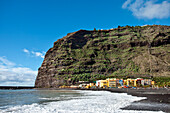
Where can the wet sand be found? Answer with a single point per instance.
(156, 99)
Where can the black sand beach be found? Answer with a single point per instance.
(156, 99)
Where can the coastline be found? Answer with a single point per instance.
(156, 99)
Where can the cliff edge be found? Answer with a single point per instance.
(123, 51)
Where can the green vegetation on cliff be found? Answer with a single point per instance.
(121, 52)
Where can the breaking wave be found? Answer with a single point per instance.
(88, 102)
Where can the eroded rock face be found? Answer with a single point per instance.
(90, 55)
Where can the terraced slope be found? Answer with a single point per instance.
(89, 55)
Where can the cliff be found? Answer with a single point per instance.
(123, 51)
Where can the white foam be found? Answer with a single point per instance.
(92, 101)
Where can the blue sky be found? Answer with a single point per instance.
(28, 28)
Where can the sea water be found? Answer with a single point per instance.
(65, 101)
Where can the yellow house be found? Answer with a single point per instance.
(124, 82)
(135, 83)
(103, 83)
(112, 82)
(131, 82)
(64, 86)
(128, 81)
(74, 86)
(87, 86)
(92, 84)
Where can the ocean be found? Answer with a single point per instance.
(66, 101)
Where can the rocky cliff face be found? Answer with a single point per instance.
(90, 55)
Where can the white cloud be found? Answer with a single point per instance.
(126, 3)
(12, 75)
(35, 53)
(26, 50)
(149, 9)
(38, 54)
(6, 62)
(23, 70)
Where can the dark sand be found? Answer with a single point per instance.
(156, 99)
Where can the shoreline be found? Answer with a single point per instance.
(156, 99)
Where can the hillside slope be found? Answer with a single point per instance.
(89, 55)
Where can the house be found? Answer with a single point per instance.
(92, 85)
(87, 86)
(98, 83)
(147, 81)
(74, 86)
(121, 82)
(140, 81)
(112, 82)
(131, 82)
(101, 83)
